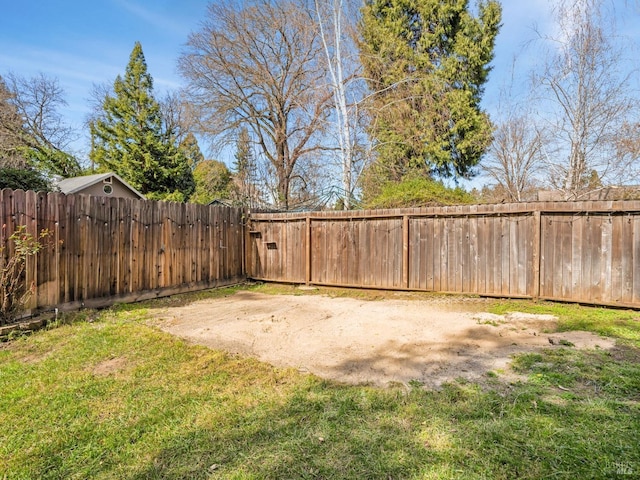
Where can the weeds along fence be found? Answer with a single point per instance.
(105, 250)
(570, 251)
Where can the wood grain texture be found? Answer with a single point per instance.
(108, 248)
(103, 249)
(574, 251)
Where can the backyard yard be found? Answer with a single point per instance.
(272, 382)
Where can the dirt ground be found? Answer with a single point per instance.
(359, 341)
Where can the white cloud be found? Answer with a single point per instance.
(30, 60)
(153, 18)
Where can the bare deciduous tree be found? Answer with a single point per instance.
(588, 95)
(10, 130)
(515, 157)
(628, 142)
(337, 30)
(175, 115)
(259, 65)
(41, 133)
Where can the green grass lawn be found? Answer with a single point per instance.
(108, 396)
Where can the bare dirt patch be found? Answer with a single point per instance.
(368, 342)
(111, 366)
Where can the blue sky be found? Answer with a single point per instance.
(86, 42)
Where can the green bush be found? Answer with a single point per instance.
(418, 192)
(22, 179)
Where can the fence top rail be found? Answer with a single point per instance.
(575, 208)
(6, 194)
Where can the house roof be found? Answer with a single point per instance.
(77, 184)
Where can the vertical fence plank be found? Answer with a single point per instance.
(438, 255)
(606, 271)
(588, 251)
(516, 245)
(615, 293)
(473, 251)
(627, 259)
(307, 250)
(353, 251)
(363, 236)
(636, 260)
(316, 249)
(577, 245)
(596, 254)
(505, 254)
(565, 225)
(344, 252)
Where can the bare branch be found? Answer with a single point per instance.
(258, 65)
(589, 97)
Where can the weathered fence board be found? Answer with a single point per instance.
(103, 249)
(591, 256)
(572, 251)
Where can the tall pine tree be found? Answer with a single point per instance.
(245, 169)
(191, 150)
(130, 139)
(426, 62)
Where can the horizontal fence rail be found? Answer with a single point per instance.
(570, 251)
(103, 250)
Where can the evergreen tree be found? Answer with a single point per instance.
(191, 150)
(244, 167)
(24, 178)
(129, 137)
(213, 181)
(426, 62)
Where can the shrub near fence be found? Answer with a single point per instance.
(107, 250)
(570, 251)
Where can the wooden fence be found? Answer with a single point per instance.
(580, 251)
(105, 250)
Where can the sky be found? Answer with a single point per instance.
(87, 42)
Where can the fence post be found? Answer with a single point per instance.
(405, 251)
(308, 250)
(244, 225)
(537, 239)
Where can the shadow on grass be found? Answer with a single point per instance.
(183, 299)
(332, 432)
(324, 431)
(470, 353)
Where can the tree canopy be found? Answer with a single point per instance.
(24, 178)
(588, 98)
(259, 65)
(33, 135)
(130, 138)
(191, 150)
(426, 62)
(213, 181)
